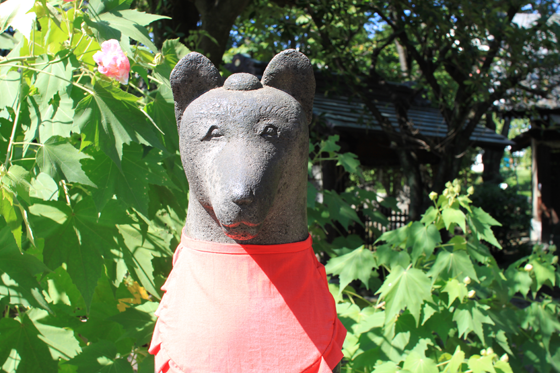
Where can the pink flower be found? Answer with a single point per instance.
(112, 61)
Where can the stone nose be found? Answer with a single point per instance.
(242, 196)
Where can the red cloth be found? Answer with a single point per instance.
(232, 308)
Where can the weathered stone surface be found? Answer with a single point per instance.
(244, 149)
(242, 82)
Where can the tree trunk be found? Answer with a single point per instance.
(413, 175)
(184, 19)
(218, 17)
(493, 157)
(447, 169)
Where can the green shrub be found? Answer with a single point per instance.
(447, 306)
(508, 207)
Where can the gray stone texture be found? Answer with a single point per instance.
(244, 146)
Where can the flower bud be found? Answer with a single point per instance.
(467, 280)
(489, 351)
(483, 352)
(39, 9)
(528, 267)
(158, 59)
(457, 189)
(445, 192)
(554, 260)
(433, 196)
(470, 191)
(505, 357)
(471, 294)
(448, 184)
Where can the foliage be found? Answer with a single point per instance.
(462, 57)
(510, 208)
(444, 305)
(93, 195)
(93, 199)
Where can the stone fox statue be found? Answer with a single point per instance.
(246, 293)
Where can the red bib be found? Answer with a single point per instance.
(233, 308)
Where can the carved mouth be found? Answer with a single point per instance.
(235, 225)
(241, 231)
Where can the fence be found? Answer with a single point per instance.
(373, 229)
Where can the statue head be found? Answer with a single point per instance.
(244, 147)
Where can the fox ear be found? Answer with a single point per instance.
(291, 72)
(193, 76)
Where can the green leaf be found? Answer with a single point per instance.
(173, 50)
(518, 281)
(502, 367)
(163, 113)
(542, 319)
(430, 215)
(111, 118)
(481, 223)
(95, 356)
(350, 163)
(387, 367)
(138, 322)
(58, 119)
(469, 317)
(130, 182)
(44, 187)
(455, 264)
(340, 210)
(451, 215)
(417, 363)
(481, 364)
(17, 273)
(9, 86)
(423, 239)
(543, 272)
(478, 251)
(441, 323)
(455, 362)
(143, 19)
(455, 289)
(62, 291)
(125, 24)
(395, 237)
(20, 178)
(117, 366)
(405, 289)
(100, 6)
(61, 342)
(392, 258)
(357, 264)
(11, 216)
(74, 237)
(54, 77)
(330, 145)
(21, 335)
(140, 248)
(57, 155)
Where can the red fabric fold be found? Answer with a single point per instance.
(231, 308)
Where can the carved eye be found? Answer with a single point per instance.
(269, 132)
(213, 132)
